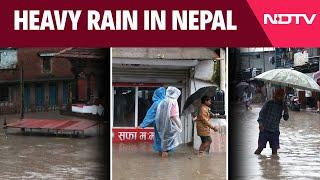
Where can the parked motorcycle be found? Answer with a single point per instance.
(293, 102)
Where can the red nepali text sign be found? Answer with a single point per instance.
(132, 135)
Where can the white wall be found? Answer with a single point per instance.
(204, 70)
(223, 70)
(218, 139)
(164, 53)
(262, 62)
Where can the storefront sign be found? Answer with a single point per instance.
(132, 135)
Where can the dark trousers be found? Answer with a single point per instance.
(272, 137)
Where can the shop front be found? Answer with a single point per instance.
(133, 89)
(138, 72)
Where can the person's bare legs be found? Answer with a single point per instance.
(208, 144)
(258, 151)
(202, 148)
(275, 151)
(165, 154)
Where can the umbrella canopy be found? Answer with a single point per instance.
(195, 99)
(242, 84)
(241, 87)
(316, 77)
(289, 78)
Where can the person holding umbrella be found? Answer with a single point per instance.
(204, 126)
(269, 120)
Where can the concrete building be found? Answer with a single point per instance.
(249, 60)
(45, 81)
(137, 72)
(51, 81)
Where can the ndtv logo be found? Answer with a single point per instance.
(288, 18)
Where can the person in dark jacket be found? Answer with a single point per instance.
(269, 120)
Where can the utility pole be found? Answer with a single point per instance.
(21, 91)
(69, 103)
(264, 70)
(249, 58)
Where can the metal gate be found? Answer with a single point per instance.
(26, 97)
(148, 75)
(82, 89)
(65, 93)
(217, 106)
(39, 92)
(52, 94)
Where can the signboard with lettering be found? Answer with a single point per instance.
(8, 59)
(132, 135)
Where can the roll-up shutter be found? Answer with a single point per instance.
(147, 75)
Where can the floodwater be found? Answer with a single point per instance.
(38, 156)
(299, 153)
(138, 161)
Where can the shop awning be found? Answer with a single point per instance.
(79, 53)
(155, 62)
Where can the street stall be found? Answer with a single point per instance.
(86, 92)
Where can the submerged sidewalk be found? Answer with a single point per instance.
(138, 161)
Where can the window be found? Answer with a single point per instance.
(46, 64)
(144, 102)
(131, 105)
(124, 106)
(4, 94)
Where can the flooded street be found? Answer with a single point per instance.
(138, 161)
(298, 156)
(39, 156)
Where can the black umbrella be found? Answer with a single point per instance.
(195, 98)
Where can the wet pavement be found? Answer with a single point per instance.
(138, 161)
(298, 156)
(39, 156)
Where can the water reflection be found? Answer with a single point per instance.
(298, 156)
(270, 166)
(138, 161)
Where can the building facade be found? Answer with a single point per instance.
(251, 62)
(45, 78)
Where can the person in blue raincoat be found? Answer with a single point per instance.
(158, 95)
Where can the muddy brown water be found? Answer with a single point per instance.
(299, 153)
(138, 161)
(38, 156)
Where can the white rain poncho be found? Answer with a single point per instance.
(167, 120)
